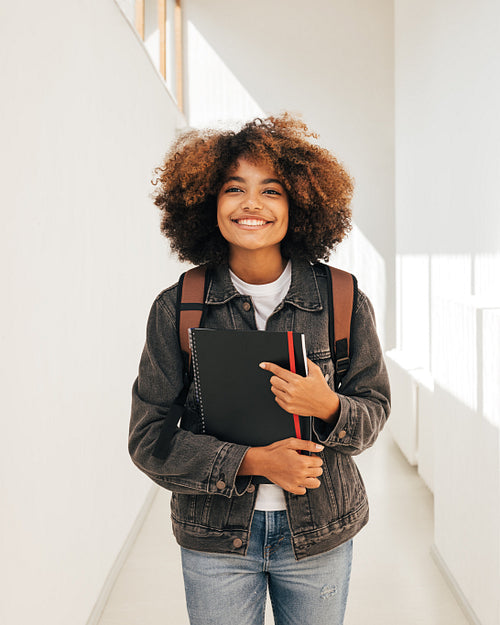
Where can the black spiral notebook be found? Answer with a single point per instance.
(234, 393)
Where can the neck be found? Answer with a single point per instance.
(257, 267)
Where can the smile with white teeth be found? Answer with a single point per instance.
(247, 221)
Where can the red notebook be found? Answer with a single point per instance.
(234, 393)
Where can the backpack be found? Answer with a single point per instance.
(190, 309)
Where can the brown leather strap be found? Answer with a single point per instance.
(191, 304)
(343, 299)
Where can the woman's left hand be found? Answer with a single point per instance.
(306, 396)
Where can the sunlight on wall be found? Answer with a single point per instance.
(454, 348)
(215, 95)
(491, 366)
(486, 275)
(413, 306)
(448, 311)
(451, 275)
(357, 255)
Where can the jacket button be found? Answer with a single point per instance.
(251, 488)
(221, 485)
(247, 306)
(342, 433)
(237, 542)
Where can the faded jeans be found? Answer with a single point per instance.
(229, 589)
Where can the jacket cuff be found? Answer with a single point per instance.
(224, 479)
(338, 433)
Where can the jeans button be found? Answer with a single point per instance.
(247, 306)
(342, 433)
(251, 488)
(237, 542)
(221, 485)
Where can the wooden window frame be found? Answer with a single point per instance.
(162, 27)
(139, 17)
(179, 77)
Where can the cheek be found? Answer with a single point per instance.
(286, 217)
(220, 212)
(221, 216)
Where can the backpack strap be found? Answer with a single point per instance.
(342, 291)
(190, 305)
(190, 308)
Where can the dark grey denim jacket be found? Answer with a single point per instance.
(211, 506)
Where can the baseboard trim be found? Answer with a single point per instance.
(107, 587)
(454, 587)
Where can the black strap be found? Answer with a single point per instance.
(169, 424)
(342, 291)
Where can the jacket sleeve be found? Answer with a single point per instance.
(196, 463)
(364, 393)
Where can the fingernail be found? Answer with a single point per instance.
(319, 447)
(262, 365)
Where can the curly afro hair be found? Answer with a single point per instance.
(319, 188)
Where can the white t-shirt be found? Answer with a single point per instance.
(265, 298)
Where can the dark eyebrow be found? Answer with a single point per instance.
(266, 181)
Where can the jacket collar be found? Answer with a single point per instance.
(303, 292)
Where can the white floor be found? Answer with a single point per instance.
(394, 578)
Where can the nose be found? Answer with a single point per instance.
(251, 201)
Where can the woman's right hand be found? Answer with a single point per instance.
(281, 463)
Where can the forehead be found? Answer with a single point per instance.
(247, 166)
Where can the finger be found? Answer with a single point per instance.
(314, 462)
(311, 482)
(278, 383)
(284, 374)
(297, 443)
(280, 395)
(315, 471)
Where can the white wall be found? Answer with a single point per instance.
(84, 119)
(448, 244)
(331, 62)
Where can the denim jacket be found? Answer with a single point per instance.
(211, 506)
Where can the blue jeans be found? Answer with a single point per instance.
(228, 589)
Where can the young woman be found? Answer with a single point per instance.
(262, 206)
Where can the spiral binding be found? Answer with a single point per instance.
(196, 376)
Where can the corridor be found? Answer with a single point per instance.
(394, 580)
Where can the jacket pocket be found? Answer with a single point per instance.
(352, 487)
(204, 511)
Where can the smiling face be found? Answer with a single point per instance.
(252, 208)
